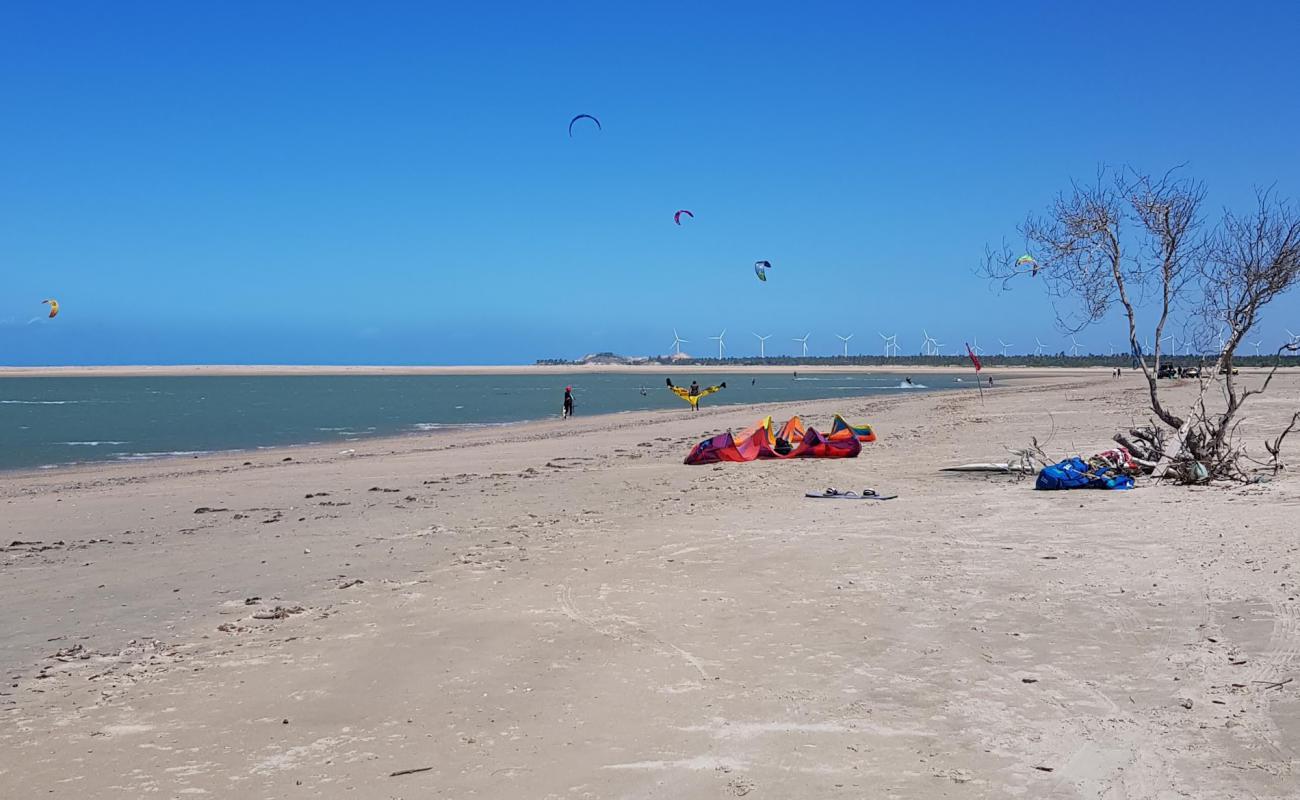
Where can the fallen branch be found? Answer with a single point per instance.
(408, 771)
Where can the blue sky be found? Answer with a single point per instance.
(393, 182)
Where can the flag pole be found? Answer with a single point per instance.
(974, 359)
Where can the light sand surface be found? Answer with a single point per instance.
(566, 611)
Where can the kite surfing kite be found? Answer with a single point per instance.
(763, 440)
(54, 307)
(1028, 261)
(761, 268)
(678, 216)
(694, 393)
(583, 116)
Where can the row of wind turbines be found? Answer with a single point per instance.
(931, 346)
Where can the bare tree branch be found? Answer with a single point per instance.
(1131, 241)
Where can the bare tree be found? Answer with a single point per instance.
(1139, 243)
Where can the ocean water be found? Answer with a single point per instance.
(47, 422)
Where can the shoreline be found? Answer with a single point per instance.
(439, 438)
(392, 439)
(1008, 376)
(274, 370)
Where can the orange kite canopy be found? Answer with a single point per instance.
(761, 441)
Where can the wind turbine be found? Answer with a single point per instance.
(1112, 348)
(845, 339)
(1038, 351)
(762, 345)
(1074, 350)
(930, 345)
(1257, 344)
(1294, 339)
(804, 342)
(1005, 346)
(678, 342)
(721, 345)
(979, 351)
(1169, 338)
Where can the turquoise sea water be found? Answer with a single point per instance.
(46, 422)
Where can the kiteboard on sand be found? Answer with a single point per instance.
(836, 494)
(990, 467)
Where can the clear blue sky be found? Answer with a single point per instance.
(393, 183)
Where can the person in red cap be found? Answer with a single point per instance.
(568, 402)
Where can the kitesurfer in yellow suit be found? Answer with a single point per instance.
(694, 394)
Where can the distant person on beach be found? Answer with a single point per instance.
(990, 380)
(568, 402)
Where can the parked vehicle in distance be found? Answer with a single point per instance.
(1191, 372)
(1224, 371)
(1167, 371)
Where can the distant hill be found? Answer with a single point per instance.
(601, 359)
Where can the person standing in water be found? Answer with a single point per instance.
(568, 402)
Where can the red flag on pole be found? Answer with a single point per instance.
(974, 359)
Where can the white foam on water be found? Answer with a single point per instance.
(166, 454)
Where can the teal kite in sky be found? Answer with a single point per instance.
(1028, 261)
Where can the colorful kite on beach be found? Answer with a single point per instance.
(54, 307)
(761, 268)
(583, 116)
(1028, 261)
(694, 393)
(763, 440)
(678, 216)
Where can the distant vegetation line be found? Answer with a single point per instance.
(955, 362)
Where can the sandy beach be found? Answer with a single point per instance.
(565, 610)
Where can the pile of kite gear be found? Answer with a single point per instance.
(1112, 469)
(763, 440)
(835, 494)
